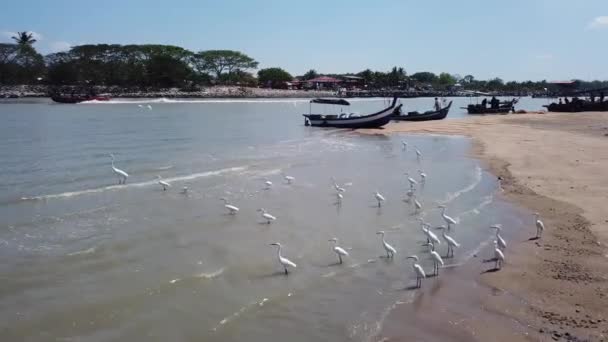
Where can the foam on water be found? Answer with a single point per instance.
(454, 195)
(136, 185)
(164, 100)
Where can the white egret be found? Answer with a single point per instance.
(430, 236)
(422, 177)
(338, 250)
(336, 186)
(266, 216)
(449, 240)
(418, 269)
(417, 204)
(437, 261)
(411, 180)
(268, 183)
(184, 190)
(231, 208)
(122, 176)
(418, 154)
(379, 198)
(502, 244)
(339, 197)
(404, 145)
(289, 179)
(540, 226)
(163, 183)
(140, 106)
(282, 260)
(149, 107)
(448, 220)
(390, 250)
(499, 257)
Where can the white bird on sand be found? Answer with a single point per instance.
(418, 269)
(390, 250)
(149, 107)
(418, 154)
(379, 198)
(266, 216)
(231, 208)
(289, 179)
(163, 183)
(502, 244)
(338, 250)
(437, 261)
(499, 257)
(448, 220)
(268, 183)
(450, 241)
(122, 176)
(411, 180)
(422, 176)
(540, 226)
(404, 145)
(282, 260)
(430, 236)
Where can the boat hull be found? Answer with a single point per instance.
(375, 120)
(575, 108)
(427, 116)
(78, 99)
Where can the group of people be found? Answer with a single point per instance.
(494, 103)
(576, 100)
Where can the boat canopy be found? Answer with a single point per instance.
(340, 102)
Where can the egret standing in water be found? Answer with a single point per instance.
(122, 176)
(437, 261)
(418, 269)
(390, 250)
(422, 177)
(282, 260)
(165, 185)
(417, 204)
(338, 250)
(339, 197)
(404, 145)
(418, 154)
(268, 183)
(411, 180)
(336, 186)
(448, 220)
(499, 257)
(502, 244)
(266, 216)
(289, 179)
(379, 198)
(450, 241)
(231, 208)
(540, 226)
(430, 236)
(149, 107)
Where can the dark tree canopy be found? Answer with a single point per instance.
(223, 61)
(310, 74)
(424, 77)
(273, 77)
(24, 38)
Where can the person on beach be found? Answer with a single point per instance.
(437, 104)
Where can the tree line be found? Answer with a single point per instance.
(164, 66)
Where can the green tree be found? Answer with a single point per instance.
(310, 74)
(367, 75)
(24, 38)
(396, 77)
(468, 79)
(424, 77)
(223, 61)
(495, 84)
(446, 79)
(273, 77)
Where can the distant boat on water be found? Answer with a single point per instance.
(426, 116)
(78, 98)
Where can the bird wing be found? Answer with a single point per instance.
(340, 250)
(288, 262)
(452, 241)
(419, 270)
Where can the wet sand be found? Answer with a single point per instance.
(550, 289)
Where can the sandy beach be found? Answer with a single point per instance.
(553, 288)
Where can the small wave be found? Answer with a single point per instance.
(241, 311)
(476, 211)
(83, 252)
(136, 185)
(163, 168)
(210, 275)
(450, 196)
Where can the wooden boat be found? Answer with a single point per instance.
(78, 98)
(346, 120)
(503, 108)
(428, 115)
(578, 106)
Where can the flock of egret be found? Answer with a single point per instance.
(432, 241)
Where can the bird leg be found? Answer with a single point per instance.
(285, 267)
(340, 258)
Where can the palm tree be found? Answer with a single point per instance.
(24, 38)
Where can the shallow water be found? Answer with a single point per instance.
(85, 258)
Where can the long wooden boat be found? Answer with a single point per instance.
(78, 98)
(503, 108)
(346, 120)
(575, 107)
(428, 115)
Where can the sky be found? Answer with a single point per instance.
(514, 39)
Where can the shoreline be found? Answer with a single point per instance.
(550, 289)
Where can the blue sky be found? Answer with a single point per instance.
(514, 39)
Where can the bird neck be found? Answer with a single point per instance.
(279, 251)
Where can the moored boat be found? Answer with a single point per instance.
(78, 98)
(428, 115)
(503, 108)
(349, 120)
